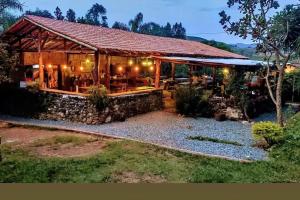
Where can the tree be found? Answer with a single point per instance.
(10, 4)
(178, 31)
(41, 13)
(82, 20)
(8, 60)
(71, 15)
(58, 14)
(121, 26)
(277, 37)
(97, 15)
(151, 28)
(168, 30)
(6, 18)
(136, 23)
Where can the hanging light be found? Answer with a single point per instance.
(120, 68)
(136, 68)
(226, 71)
(87, 60)
(65, 67)
(144, 63)
(151, 68)
(50, 66)
(81, 68)
(130, 62)
(149, 63)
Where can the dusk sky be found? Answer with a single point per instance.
(199, 17)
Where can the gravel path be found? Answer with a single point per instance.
(169, 130)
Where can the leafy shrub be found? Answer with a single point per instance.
(271, 132)
(98, 97)
(190, 102)
(21, 102)
(33, 87)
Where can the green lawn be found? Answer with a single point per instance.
(125, 161)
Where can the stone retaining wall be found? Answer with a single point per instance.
(79, 109)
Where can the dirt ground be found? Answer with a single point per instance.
(51, 143)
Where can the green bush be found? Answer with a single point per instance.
(191, 102)
(98, 97)
(22, 102)
(271, 132)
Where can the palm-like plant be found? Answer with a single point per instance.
(10, 4)
(136, 23)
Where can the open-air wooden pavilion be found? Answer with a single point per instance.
(71, 57)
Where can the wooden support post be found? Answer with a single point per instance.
(107, 72)
(96, 68)
(173, 71)
(41, 68)
(191, 75)
(157, 73)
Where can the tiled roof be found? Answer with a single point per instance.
(113, 39)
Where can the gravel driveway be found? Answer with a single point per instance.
(169, 130)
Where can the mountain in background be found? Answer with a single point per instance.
(248, 50)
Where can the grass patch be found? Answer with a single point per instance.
(208, 139)
(123, 160)
(60, 140)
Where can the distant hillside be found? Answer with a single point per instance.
(248, 50)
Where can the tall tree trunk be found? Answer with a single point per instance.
(279, 97)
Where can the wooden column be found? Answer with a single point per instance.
(157, 73)
(96, 68)
(107, 72)
(173, 71)
(41, 68)
(191, 74)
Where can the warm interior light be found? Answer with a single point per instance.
(120, 69)
(65, 67)
(136, 69)
(289, 69)
(130, 62)
(81, 68)
(151, 68)
(87, 60)
(149, 63)
(226, 71)
(144, 63)
(50, 66)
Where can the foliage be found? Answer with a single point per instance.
(190, 102)
(289, 150)
(8, 61)
(289, 113)
(96, 15)
(98, 97)
(270, 131)
(178, 31)
(21, 102)
(136, 23)
(71, 15)
(7, 20)
(10, 5)
(121, 26)
(41, 13)
(277, 37)
(291, 86)
(58, 14)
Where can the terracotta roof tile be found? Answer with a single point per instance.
(113, 39)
